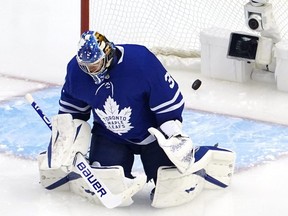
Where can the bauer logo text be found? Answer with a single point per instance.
(91, 179)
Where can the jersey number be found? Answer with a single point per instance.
(170, 80)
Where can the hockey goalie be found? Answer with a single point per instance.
(137, 110)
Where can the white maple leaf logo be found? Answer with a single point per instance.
(115, 120)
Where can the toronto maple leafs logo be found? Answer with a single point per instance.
(115, 120)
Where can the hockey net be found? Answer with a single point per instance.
(172, 28)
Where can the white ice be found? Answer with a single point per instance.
(256, 191)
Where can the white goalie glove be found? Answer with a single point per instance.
(178, 146)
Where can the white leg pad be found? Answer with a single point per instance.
(213, 170)
(220, 168)
(174, 188)
(50, 177)
(113, 177)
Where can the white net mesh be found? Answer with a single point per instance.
(172, 27)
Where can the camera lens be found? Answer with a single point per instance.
(253, 24)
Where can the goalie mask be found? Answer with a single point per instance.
(95, 55)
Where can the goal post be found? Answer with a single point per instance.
(85, 13)
(170, 28)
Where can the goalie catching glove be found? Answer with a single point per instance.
(178, 146)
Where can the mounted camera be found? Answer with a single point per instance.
(255, 48)
(259, 15)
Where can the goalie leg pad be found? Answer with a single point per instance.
(113, 177)
(174, 188)
(218, 163)
(52, 178)
(220, 169)
(213, 169)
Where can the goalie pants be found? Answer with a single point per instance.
(109, 152)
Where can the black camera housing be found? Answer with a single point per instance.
(242, 46)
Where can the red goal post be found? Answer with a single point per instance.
(85, 13)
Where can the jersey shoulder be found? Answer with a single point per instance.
(137, 52)
(142, 58)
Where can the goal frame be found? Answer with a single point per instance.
(84, 15)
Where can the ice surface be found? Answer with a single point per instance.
(258, 186)
(265, 141)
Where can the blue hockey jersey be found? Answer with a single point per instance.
(137, 93)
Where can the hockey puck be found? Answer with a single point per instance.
(196, 84)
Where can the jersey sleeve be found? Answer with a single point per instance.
(165, 98)
(69, 103)
(77, 108)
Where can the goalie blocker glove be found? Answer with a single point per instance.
(178, 146)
